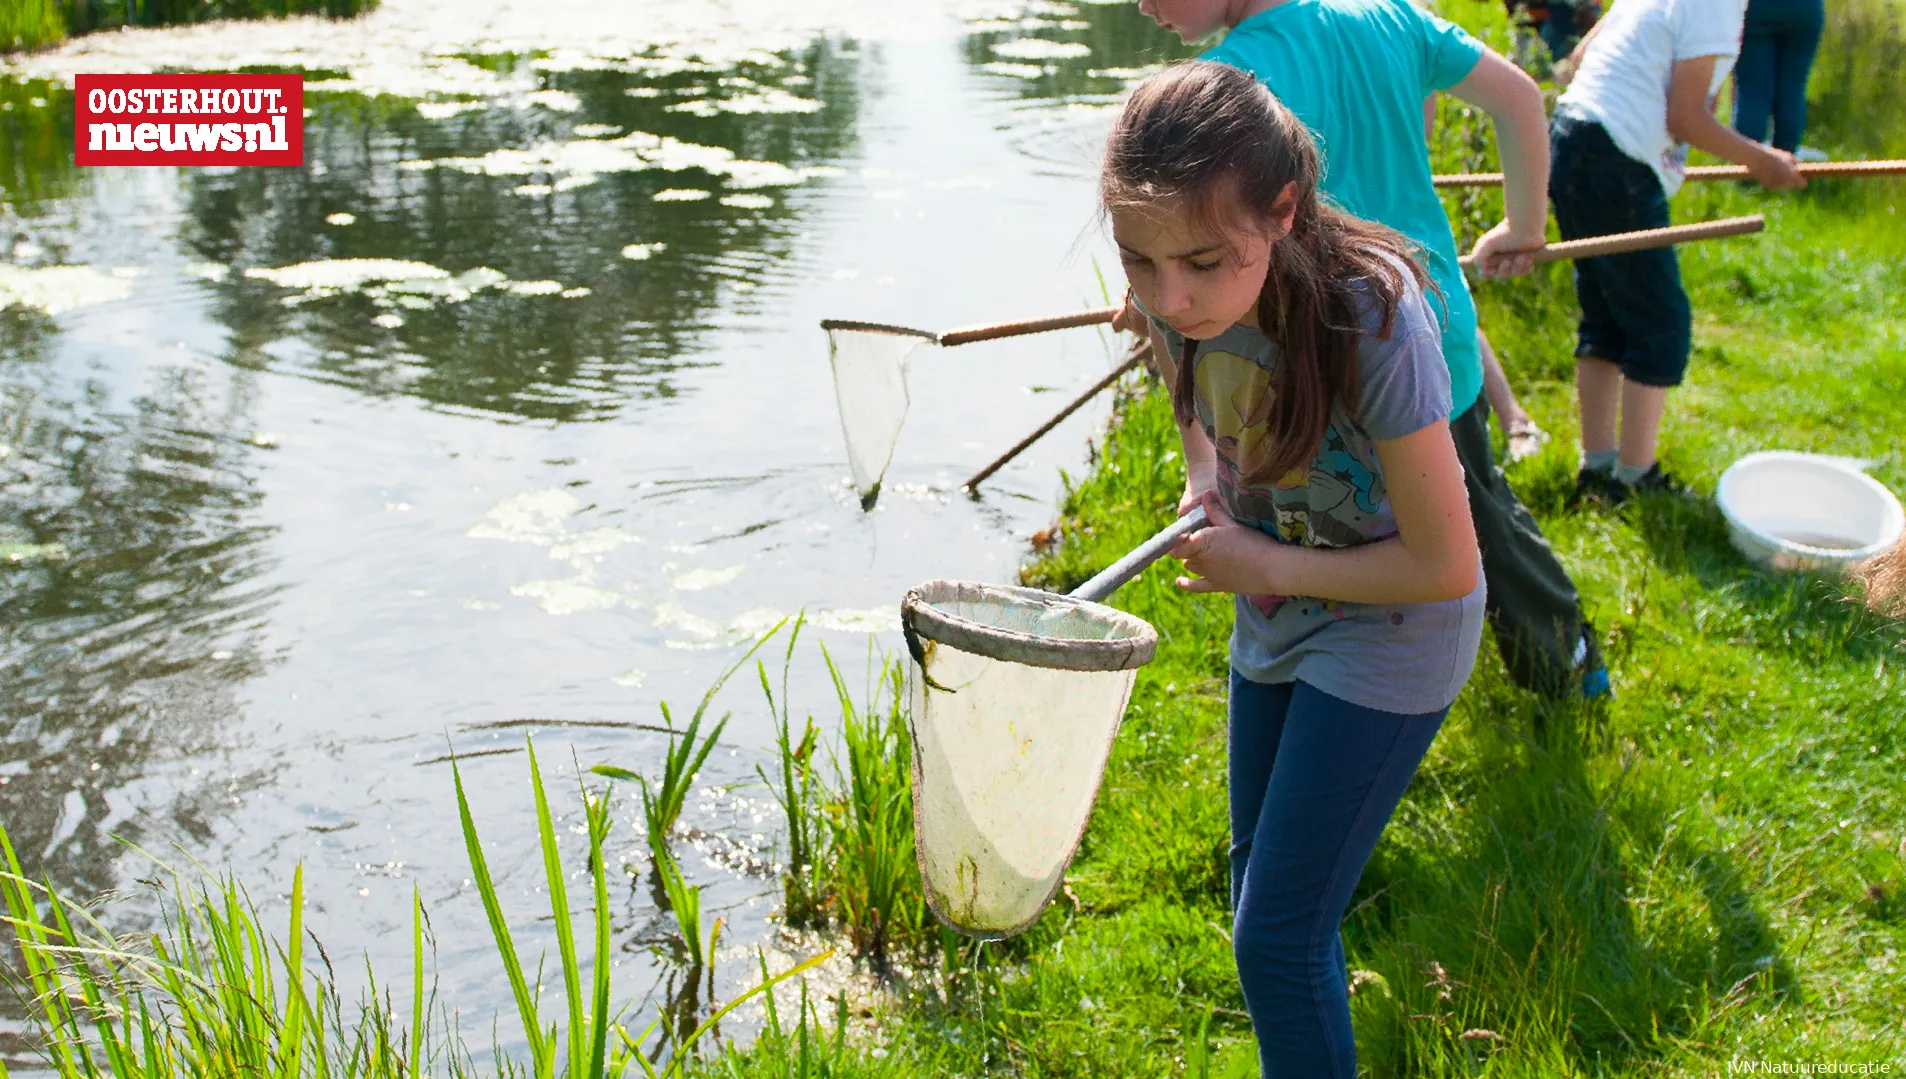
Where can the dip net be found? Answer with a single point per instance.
(1016, 697)
(870, 385)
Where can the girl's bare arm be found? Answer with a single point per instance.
(1432, 558)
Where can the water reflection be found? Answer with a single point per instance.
(1059, 52)
(130, 606)
(1068, 66)
(36, 143)
(605, 293)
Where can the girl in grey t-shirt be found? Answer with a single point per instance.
(1311, 393)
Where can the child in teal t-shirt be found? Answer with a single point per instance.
(1357, 73)
(1370, 126)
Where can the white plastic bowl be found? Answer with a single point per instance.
(1799, 511)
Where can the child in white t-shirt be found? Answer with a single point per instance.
(1642, 92)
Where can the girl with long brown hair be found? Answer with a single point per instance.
(1307, 377)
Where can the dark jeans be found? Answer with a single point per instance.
(1635, 313)
(1314, 780)
(1777, 51)
(1532, 604)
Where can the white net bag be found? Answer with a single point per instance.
(870, 385)
(1016, 696)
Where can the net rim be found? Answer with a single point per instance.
(831, 324)
(922, 618)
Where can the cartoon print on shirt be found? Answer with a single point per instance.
(1239, 395)
(1333, 503)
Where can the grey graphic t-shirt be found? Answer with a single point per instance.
(1407, 658)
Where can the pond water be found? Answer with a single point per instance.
(279, 531)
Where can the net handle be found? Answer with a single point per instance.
(966, 335)
(1711, 172)
(1642, 240)
(1140, 353)
(1111, 577)
(969, 334)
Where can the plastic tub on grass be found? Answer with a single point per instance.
(1806, 511)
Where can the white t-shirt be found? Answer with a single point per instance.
(1623, 80)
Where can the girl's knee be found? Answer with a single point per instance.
(1276, 957)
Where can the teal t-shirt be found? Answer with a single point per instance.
(1356, 73)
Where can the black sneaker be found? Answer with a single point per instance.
(1592, 485)
(1652, 482)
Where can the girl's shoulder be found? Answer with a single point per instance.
(1402, 378)
(1385, 305)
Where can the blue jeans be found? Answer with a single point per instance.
(1314, 780)
(1777, 49)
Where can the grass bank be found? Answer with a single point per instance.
(35, 24)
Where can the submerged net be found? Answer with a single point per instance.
(1015, 701)
(870, 385)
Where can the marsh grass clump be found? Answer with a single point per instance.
(214, 992)
(871, 862)
(851, 862)
(211, 993)
(584, 1031)
(664, 797)
(795, 792)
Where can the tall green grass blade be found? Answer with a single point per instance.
(684, 901)
(801, 1031)
(599, 1018)
(794, 792)
(417, 981)
(840, 1026)
(500, 929)
(291, 1048)
(560, 913)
